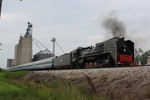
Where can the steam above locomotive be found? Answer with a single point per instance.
(113, 52)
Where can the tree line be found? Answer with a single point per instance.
(141, 56)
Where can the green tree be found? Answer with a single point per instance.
(1, 70)
(141, 56)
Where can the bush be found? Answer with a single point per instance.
(1, 70)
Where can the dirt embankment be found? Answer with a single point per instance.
(116, 83)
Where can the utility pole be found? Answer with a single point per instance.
(53, 40)
(0, 45)
(0, 6)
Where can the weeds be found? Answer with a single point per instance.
(31, 90)
(14, 75)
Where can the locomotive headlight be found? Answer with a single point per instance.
(124, 50)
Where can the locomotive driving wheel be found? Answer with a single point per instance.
(99, 63)
(104, 61)
(80, 63)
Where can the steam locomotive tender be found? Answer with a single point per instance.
(113, 52)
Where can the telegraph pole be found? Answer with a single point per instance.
(0, 46)
(0, 6)
(53, 40)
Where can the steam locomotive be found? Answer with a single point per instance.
(113, 52)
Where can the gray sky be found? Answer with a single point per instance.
(73, 23)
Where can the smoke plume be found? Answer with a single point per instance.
(114, 25)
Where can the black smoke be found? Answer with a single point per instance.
(114, 25)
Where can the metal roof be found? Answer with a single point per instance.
(46, 51)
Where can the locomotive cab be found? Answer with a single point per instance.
(125, 52)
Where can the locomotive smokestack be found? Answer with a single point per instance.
(114, 25)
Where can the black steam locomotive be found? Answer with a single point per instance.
(110, 53)
(113, 52)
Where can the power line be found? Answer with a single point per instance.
(39, 43)
(35, 40)
(60, 47)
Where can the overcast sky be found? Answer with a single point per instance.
(73, 23)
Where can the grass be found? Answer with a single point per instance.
(8, 88)
(13, 88)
